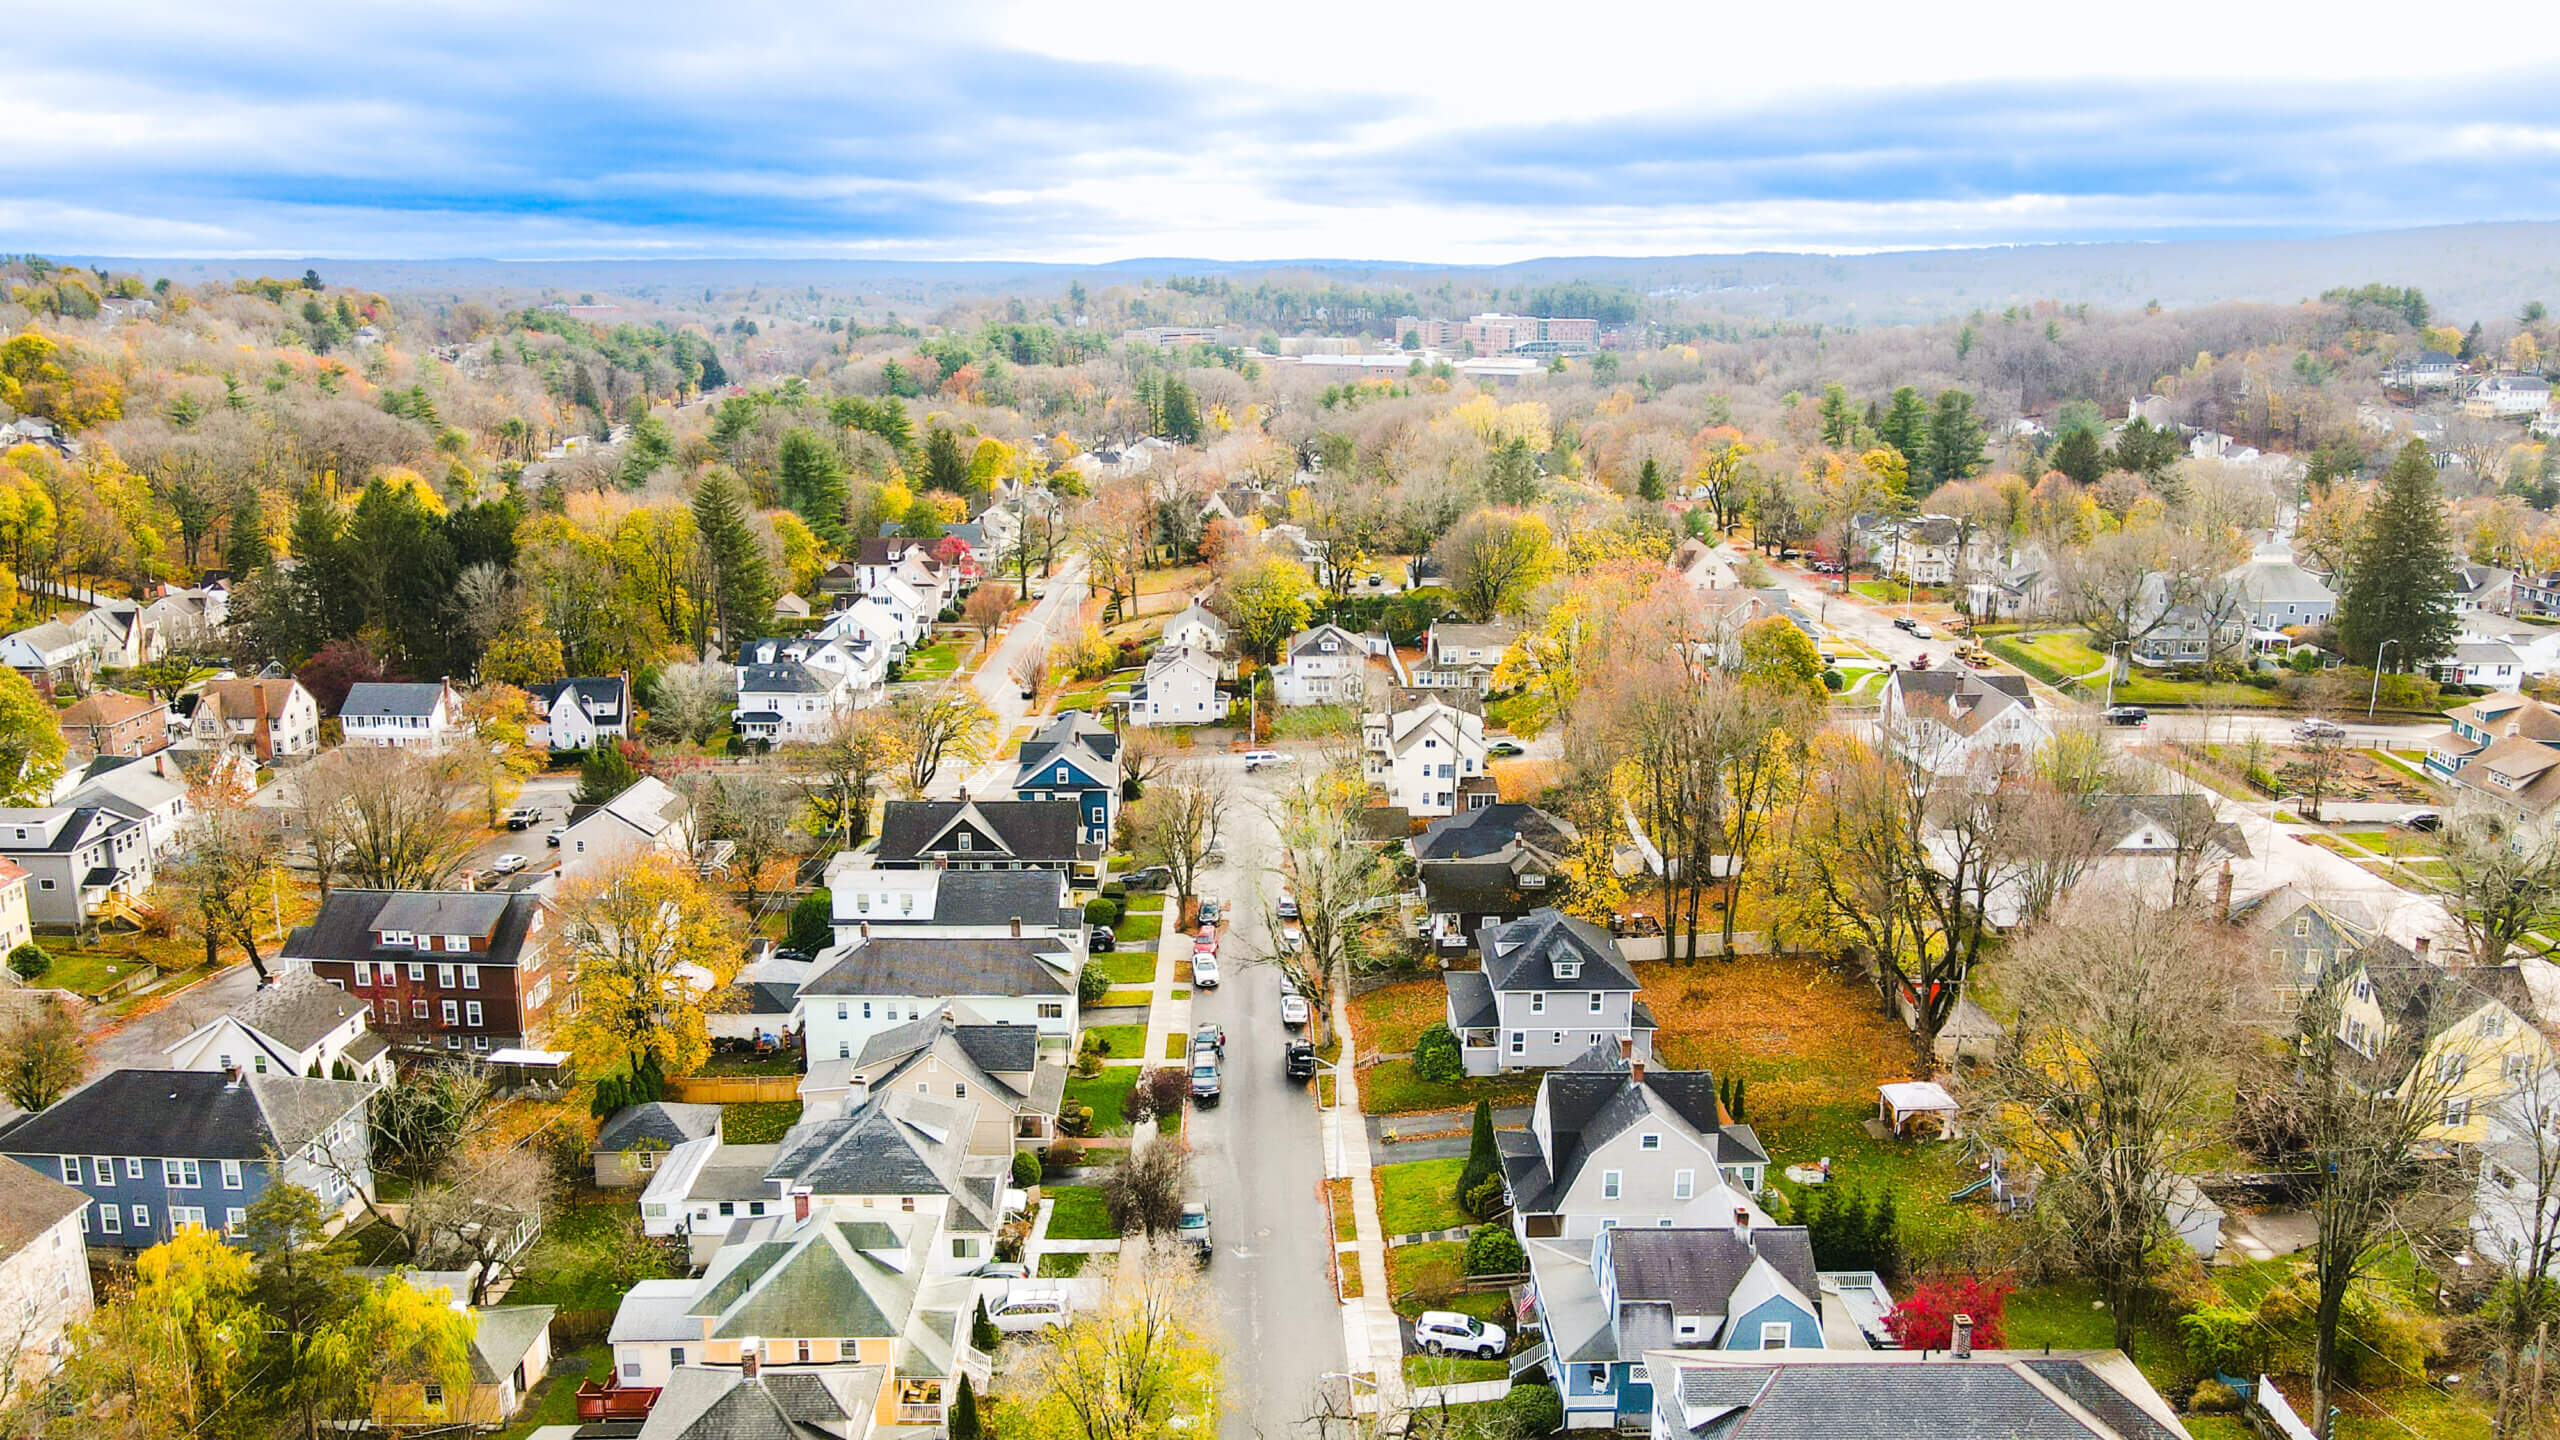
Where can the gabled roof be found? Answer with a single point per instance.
(665, 1122)
(940, 966)
(1472, 834)
(1029, 830)
(1962, 700)
(379, 699)
(1522, 954)
(1891, 1395)
(299, 1010)
(2189, 815)
(48, 637)
(189, 1114)
(108, 707)
(787, 677)
(646, 805)
(1596, 1098)
(503, 1336)
(595, 692)
(828, 1275)
(1077, 739)
(1697, 1271)
(700, 1403)
(898, 1143)
(1312, 641)
(349, 921)
(31, 1203)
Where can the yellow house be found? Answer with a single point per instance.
(510, 1353)
(2470, 1028)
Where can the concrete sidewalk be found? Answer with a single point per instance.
(1166, 1016)
(1372, 1336)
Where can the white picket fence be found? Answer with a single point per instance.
(2279, 1411)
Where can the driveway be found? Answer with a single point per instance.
(1034, 633)
(1257, 1158)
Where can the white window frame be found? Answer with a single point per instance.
(364, 972)
(231, 1175)
(1598, 999)
(470, 977)
(105, 1166)
(112, 1218)
(172, 1169)
(1784, 1334)
(1613, 1184)
(471, 1012)
(1684, 1184)
(453, 1012)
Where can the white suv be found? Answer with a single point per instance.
(1444, 1331)
(1026, 1310)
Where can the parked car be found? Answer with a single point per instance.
(1024, 1311)
(553, 836)
(2133, 715)
(1256, 759)
(1293, 1009)
(1209, 912)
(1147, 877)
(507, 864)
(1205, 943)
(1288, 906)
(1504, 749)
(1829, 567)
(1210, 1036)
(1292, 939)
(1003, 1270)
(2420, 820)
(1204, 1077)
(1102, 941)
(1193, 1229)
(1443, 1331)
(1204, 969)
(2316, 728)
(524, 817)
(1922, 632)
(1905, 623)
(1298, 1060)
(787, 953)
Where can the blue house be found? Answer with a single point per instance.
(1075, 758)
(160, 1149)
(1747, 1286)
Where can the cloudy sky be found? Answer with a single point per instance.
(1086, 130)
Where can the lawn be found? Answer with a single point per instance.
(1389, 1087)
(588, 1256)
(86, 972)
(2150, 690)
(758, 1122)
(1063, 1264)
(2064, 653)
(1387, 1020)
(1146, 927)
(1080, 1214)
(1135, 998)
(1105, 1092)
(934, 661)
(776, 1062)
(1346, 1220)
(1427, 1277)
(1177, 1046)
(2390, 842)
(1420, 1195)
(1452, 1369)
(1121, 1042)
(1127, 967)
(555, 1400)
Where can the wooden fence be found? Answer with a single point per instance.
(732, 1089)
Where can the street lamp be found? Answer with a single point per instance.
(2371, 700)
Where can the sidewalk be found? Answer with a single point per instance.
(1372, 1336)
(1166, 1016)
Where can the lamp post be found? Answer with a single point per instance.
(2371, 700)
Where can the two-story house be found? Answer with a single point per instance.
(1327, 665)
(1462, 657)
(697, 1402)
(400, 715)
(1495, 863)
(2304, 936)
(457, 971)
(110, 722)
(44, 1272)
(880, 980)
(1000, 1066)
(966, 904)
(987, 835)
(1074, 757)
(2503, 749)
(83, 861)
(296, 1024)
(1954, 1394)
(1612, 1142)
(1931, 549)
(1955, 720)
(2465, 1033)
(55, 658)
(1551, 988)
(269, 716)
(580, 713)
(1427, 755)
(647, 815)
(120, 636)
(788, 703)
(1180, 688)
(845, 652)
(2277, 594)
(1197, 627)
(157, 1150)
(17, 926)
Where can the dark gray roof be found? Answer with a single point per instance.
(31, 1203)
(993, 897)
(1471, 833)
(1597, 1098)
(440, 912)
(789, 677)
(1694, 1270)
(1470, 998)
(1975, 1399)
(502, 1338)
(1000, 1049)
(596, 690)
(664, 1121)
(349, 919)
(299, 1009)
(386, 697)
(880, 1150)
(1482, 888)
(937, 966)
(2189, 815)
(1521, 954)
(188, 1114)
(1030, 830)
(700, 1403)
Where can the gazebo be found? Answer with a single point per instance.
(1899, 1103)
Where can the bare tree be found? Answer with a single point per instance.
(2130, 1020)
(690, 701)
(1146, 1188)
(2515, 1224)
(2324, 762)
(927, 728)
(839, 774)
(485, 1212)
(1342, 885)
(389, 819)
(223, 853)
(1175, 824)
(2497, 878)
(759, 818)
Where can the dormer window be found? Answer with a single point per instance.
(1568, 969)
(457, 942)
(967, 840)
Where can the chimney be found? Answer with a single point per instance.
(231, 1077)
(800, 1206)
(2222, 892)
(750, 1357)
(1017, 927)
(1742, 1224)
(1960, 1347)
(2425, 943)
(866, 929)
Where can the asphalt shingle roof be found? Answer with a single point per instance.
(1027, 830)
(188, 1114)
(31, 1203)
(665, 1121)
(300, 1009)
(350, 919)
(936, 967)
(380, 698)
(1522, 954)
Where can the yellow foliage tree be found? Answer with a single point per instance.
(523, 654)
(650, 945)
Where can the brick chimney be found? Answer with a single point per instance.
(866, 929)
(1742, 1224)
(1960, 1345)
(1017, 927)
(751, 1357)
(800, 1205)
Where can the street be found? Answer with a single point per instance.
(1033, 634)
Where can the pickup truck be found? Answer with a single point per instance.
(524, 817)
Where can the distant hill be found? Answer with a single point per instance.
(2468, 271)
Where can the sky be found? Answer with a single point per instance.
(1085, 131)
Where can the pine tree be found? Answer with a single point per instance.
(1649, 481)
(1905, 426)
(741, 581)
(1839, 418)
(964, 1412)
(944, 467)
(2400, 591)
(1738, 1084)
(810, 476)
(1483, 1160)
(982, 1331)
(1511, 475)
(2080, 456)
(247, 550)
(605, 773)
(1884, 1236)
(1955, 438)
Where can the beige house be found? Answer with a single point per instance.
(44, 1272)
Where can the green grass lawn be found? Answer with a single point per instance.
(934, 661)
(758, 1122)
(588, 1256)
(2145, 689)
(1426, 1277)
(1313, 722)
(1080, 1215)
(1105, 1093)
(1138, 998)
(1420, 1195)
(1389, 1087)
(1452, 1369)
(1124, 1042)
(1128, 967)
(2390, 842)
(85, 972)
(555, 1400)
(1141, 928)
(779, 1062)
(1063, 1264)
(1177, 1046)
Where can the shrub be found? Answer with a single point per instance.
(983, 1335)
(1484, 1160)
(1484, 1199)
(813, 926)
(1026, 1169)
(1168, 1086)
(1139, 1106)
(1436, 1057)
(1091, 985)
(1533, 1410)
(1102, 910)
(2214, 1398)
(1494, 1250)
(1062, 1155)
(30, 961)
(1074, 1119)
(1834, 681)
(1926, 1321)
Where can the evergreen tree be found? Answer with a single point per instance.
(247, 550)
(944, 466)
(964, 1412)
(1739, 1085)
(605, 773)
(1177, 411)
(302, 1284)
(406, 567)
(2144, 449)
(1484, 1161)
(2400, 585)
(1649, 481)
(740, 580)
(1511, 475)
(325, 602)
(649, 446)
(1839, 419)
(2080, 456)
(810, 476)
(1884, 1236)
(1955, 438)
(1905, 426)
(983, 1336)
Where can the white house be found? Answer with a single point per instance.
(299, 1024)
(2502, 396)
(51, 654)
(1180, 688)
(645, 816)
(121, 634)
(1953, 719)
(1199, 628)
(399, 715)
(578, 713)
(1552, 988)
(2426, 370)
(146, 789)
(1424, 754)
(16, 926)
(883, 979)
(270, 716)
(956, 904)
(1930, 549)
(2537, 647)
(858, 656)
(895, 617)
(2491, 665)
(44, 1271)
(1462, 657)
(1327, 665)
(84, 861)
(790, 703)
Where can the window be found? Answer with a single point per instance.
(141, 1217)
(2302, 927)
(230, 1174)
(457, 942)
(452, 1012)
(479, 1042)
(1519, 1042)
(964, 1247)
(1649, 1141)
(444, 976)
(1595, 1001)
(1053, 1010)
(133, 1167)
(1537, 1002)
(110, 1219)
(675, 1355)
(471, 1012)
(70, 1169)
(959, 1091)
(417, 1009)
(418, 973)
(235, 1221)
(630, 1369)
(40, 884)
(728, 1208)
(2457, 1112)
(258, 1062)
(1688, 1327)
(1773, 1334)
(1684, 1183)
(1568, 969)
(804, 1352)
(181, 1175)
(470, 977)
(364, 972)
(844, 1049)
(907, 1203)
(1610, 1184)
(105, 1168)
(2511, 1068)
(967, 840)
(433, 1394)
(840, 1009)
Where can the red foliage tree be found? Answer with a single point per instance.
(340, 666)
(1926, 1321)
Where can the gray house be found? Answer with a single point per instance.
(631, 1146)
(1611, 1143)
(1551, 988)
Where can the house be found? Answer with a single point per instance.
(2426, 370)
(1196, 628)
(789, 703)
(110, 722)
(2490, 665)
(148, 789)
(987, 835)
(1180, 688)
(1930, 549)
(701, 1403)
(703, 1187)
(44, 1271)
(1958, 1394)
(1462, 657)
(2468, 1029)
(1552, 987)
(2277, 594)
(457, 971)
(295, 1024)
(1424, 754)
(647, 815)
(788, 606)
(510, 1354)
(2305, 936)
(1492, 863)
(2023, 585)
(17, 926)
(1074, 757)
(843, 651)
(2472, 729)
(1605, 1302)
(2503, 397)
(186, 615)
(967, 904)
(2485, 587)
(119, 635)
(83, 861)
(55, 658)
(400, 715)
(1705, 566)
(271, 717)
(160, 1149)
(1955, 719)
(2537, 647)
(578, 714)
(940, 1053)
(1327, 665)
(2513, 1179)
(630, 1145)
(1614, 1143)
(2161, 846)
(878, 981)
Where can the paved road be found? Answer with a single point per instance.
(1034, 633)
(1257, 1158)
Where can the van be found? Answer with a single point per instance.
(1023, 1311)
